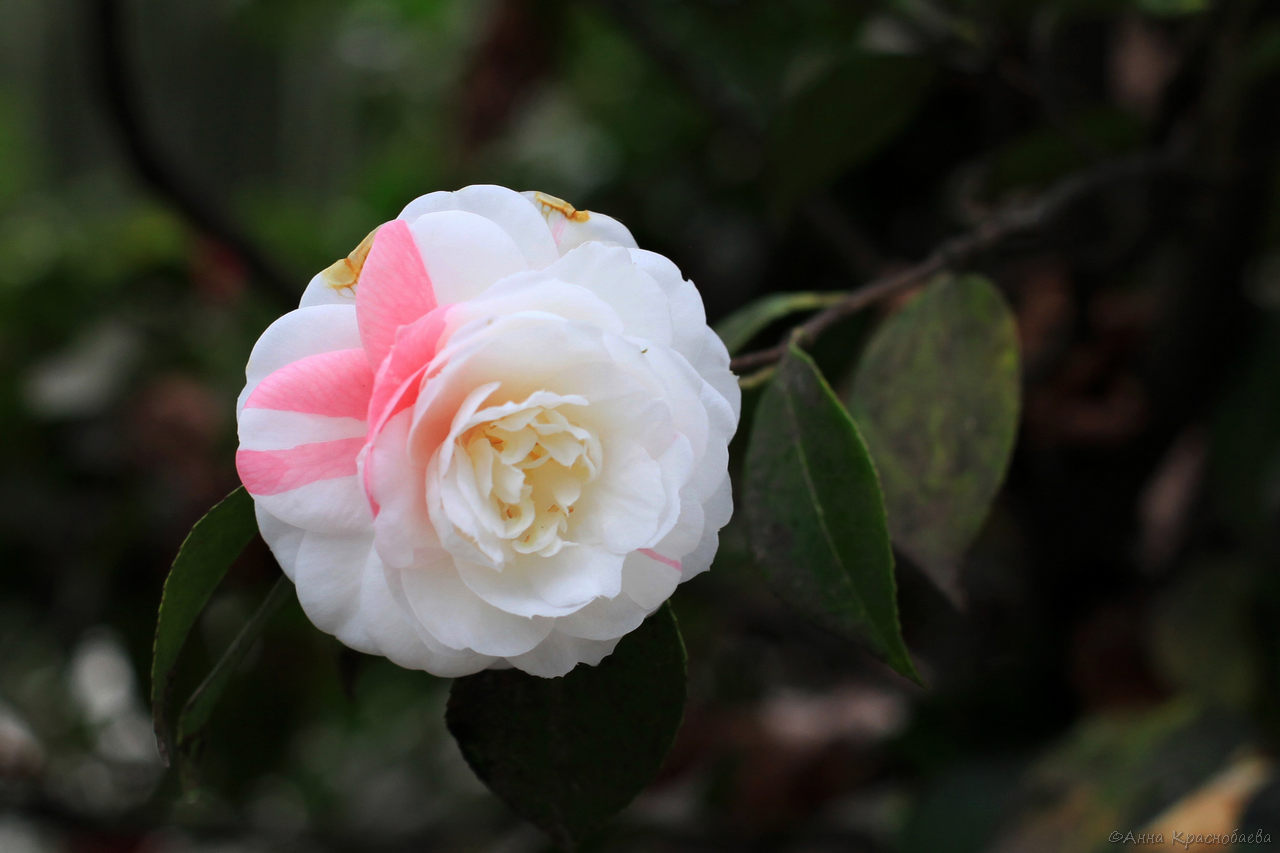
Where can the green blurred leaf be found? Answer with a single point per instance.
(208, 551)
(816, 513)
(937, 396)
(199, 708)
(742, 325)
(567, 753)
(1045, 154)
(1203, 633)
(841, 119)
(1119, 770)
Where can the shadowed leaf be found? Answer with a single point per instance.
(816, 515)
(936, 395)
(567, 753)
(208, 551)
(199, 708)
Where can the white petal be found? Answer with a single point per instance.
(464, 254)
(622, 510)
(455, 615)
(587, 226)
(507, 208)
(607, 618)
(609, 273)
(320, 291)
(337, 504)
(647, 581)
(271, 429)
(283, 539)
(342, 587)
(717, 510)
(684, 303)
(559, 653)
(547, 586)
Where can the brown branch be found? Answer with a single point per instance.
(1014, 220)
(125, 114)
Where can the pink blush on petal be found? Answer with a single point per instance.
(667, 561)
(334, 384)
(393, 290)
(399, 379)
(270, 472)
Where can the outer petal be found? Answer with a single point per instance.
(607, 271)
(717, 511)
(296, 335)
(559, 653)
(580, 226)
(342, 587)
(688, 317)
(456, 616)
(393, 291)
(506, 208)
(464, 253)
(648, 582)
(552, 587)
(300, 436)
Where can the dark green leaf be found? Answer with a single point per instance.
(198, 709)
(208, 551)
(936, 396)
(815, 512)
(742, 325)
(569, 752)
(843, 118)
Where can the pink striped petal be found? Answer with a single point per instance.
(334, 384)
(415, 345)
(393, 291)
(399, 380)
(270, 472)
(654, 555)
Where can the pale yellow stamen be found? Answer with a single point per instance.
(568, 211)
(342, 275)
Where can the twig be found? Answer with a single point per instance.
(1016, 219)
(126, 118)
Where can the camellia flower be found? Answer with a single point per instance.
(496, 434)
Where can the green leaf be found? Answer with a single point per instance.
(814, 508)
(937, 396)
(844, 117)
(208, 551)
(199, 708)
(569, 752)
(742, 325)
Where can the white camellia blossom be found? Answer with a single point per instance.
(495, 435)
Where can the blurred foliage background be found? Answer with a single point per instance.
(171, 174)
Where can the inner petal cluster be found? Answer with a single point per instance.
(529, 469)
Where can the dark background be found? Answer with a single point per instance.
(171, 174)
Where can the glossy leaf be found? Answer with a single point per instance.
(199, 708)
(208, 551)
(815, 512)
(937, 397)
(567, 753)
(844, 117)
(741, 326)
